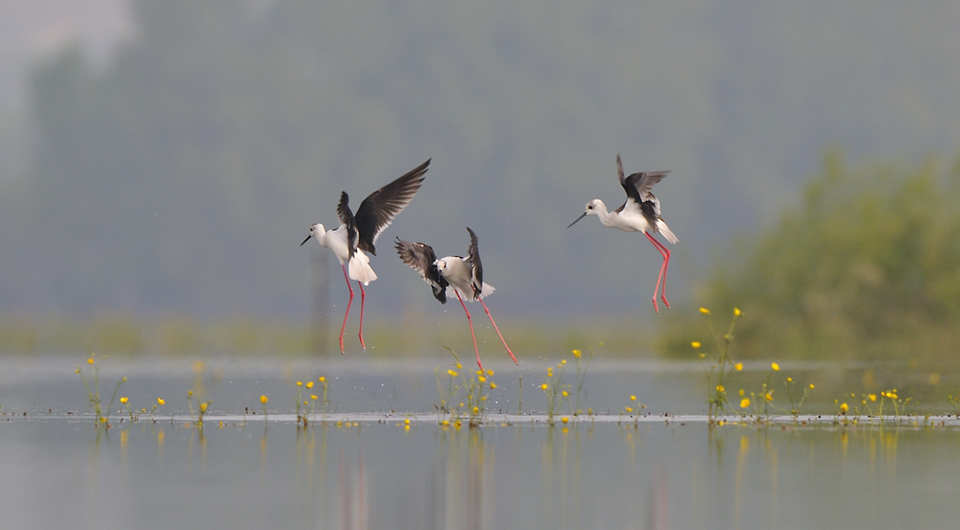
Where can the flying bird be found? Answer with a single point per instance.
(453, 275)
(358, 233)
(640, 213)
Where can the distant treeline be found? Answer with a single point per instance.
(866, 268)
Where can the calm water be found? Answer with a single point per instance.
(372, 471)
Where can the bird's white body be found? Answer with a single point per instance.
(628, 219)
(459, 273)
(358, 267)
(640, 213)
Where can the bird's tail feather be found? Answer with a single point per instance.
(485, 291)
(665, 230)
(359, 268)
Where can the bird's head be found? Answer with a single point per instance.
(592, 208)
(316, 231)
(441, 264)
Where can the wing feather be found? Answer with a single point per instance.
(421, 258)
(378, 210)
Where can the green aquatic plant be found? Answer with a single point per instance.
(582, 373)
(720, 362)
(462, 396)
(555, 389)
(93, 390)
(201, 409)
(955, 403)
(796, 403)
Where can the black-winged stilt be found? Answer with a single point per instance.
(453, 275)
(640, 213)
(358, 233)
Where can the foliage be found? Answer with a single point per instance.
(868, 267)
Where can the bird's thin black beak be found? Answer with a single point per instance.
(584, 214)
(311, 235)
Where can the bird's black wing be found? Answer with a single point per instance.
(638, 188)
(378, 210)
(421, 258)
(347, 219)
(474, 252)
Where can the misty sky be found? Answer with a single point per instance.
(523, 108)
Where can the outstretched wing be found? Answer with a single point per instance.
(348, 220)
(476, 279)
(421, 258)
(378, 210)
(638, 188)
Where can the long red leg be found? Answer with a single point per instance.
(662, 277)
(470, 321)
(498, 331)
(347, 312)
(363, 297)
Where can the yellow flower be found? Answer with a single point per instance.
(720, 388)
(313, 397)
(124, 400)
(564, 419)
(453, 373)
(768, 396)
(90, 360)
(695, 344)
(565, 393)
(844, 408)
(775, 366)
(744, 403)
(322, 379)
(628, 409)
(406, 421)
(203, 407)
(544, 386)
(789, 379)
(493, 386)
(476, 410)
(459, 366)
(189, 393)
(811, 385)
(482, 379)
(704, 310)
(563, 361)
(738, 366)
(309, 384)
(490, 373)
(264, 399)
(103, 420)
(873, 397)
(160, 401)
(479, 372)
(577, 353)
(736, 311)
(299, 383)
(633, 398)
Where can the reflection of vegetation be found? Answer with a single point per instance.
(868, 267)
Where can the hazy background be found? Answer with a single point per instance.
(167, 157)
